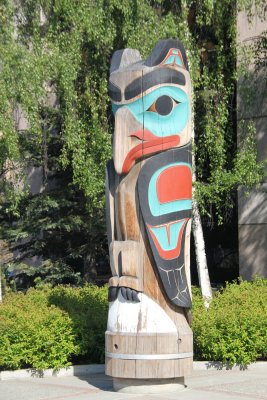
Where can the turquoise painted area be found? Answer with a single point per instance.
(158, 209)
(162, 236)
(170, 60)
(167, 125)
(160, 125)
(177, 60)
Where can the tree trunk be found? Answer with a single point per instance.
(202, 268)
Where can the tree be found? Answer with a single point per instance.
(54, 68)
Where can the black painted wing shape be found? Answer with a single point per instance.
(166, 228)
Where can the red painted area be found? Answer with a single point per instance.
(153, 144)
(174, 183)
(144, 134)
(168, 254)
(170, 53)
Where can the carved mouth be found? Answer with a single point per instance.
(173, 250)
(150, 144)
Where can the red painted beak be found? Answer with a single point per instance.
(150, 144)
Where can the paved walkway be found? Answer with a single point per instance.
(213, 384)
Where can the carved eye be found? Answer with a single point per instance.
(163, 105)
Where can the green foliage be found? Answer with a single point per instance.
(54, 65)
(57, 230)
(68, 49)
(234, 328)
(221, 166)
(33, 334)
(88, 309)
(53, 327)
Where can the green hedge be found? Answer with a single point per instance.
(234, 329)
(54, 327)
(88, 309)
(34, 334)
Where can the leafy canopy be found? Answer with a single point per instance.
(54, 64)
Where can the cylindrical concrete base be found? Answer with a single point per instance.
(144, 386)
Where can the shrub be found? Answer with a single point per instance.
(55, 327)
(34, 334)
(88, 309)
(234, 328)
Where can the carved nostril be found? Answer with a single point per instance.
(116, 347)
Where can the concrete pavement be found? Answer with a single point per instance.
(207, 382)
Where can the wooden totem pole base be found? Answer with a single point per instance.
(150, 353)
(146, 356)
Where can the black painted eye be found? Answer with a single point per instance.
(163, 105)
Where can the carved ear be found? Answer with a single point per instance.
(124, 58)
(168, 52)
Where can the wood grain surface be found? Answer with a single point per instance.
(138, 350)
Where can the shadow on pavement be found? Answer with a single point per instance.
(221, 365)
(99, 381)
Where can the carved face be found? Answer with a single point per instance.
(151, 103)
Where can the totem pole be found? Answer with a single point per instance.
(149, 201)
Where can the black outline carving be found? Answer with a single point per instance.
(158, 77)
(161, 50)
(114, 92)
(172, 272)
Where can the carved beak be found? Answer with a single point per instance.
(150, 144)
(131, 141)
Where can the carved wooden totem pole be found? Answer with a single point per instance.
(149, 201)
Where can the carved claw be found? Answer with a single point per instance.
(113, 292)
(130, 294)
(127, 294)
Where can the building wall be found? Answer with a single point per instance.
(252, 207)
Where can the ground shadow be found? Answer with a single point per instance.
(98, 380)
(219, 365)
